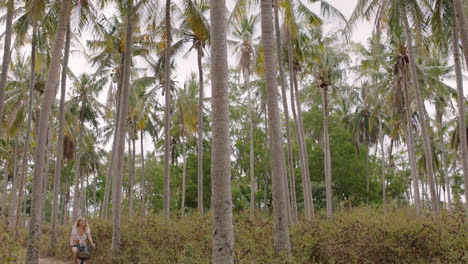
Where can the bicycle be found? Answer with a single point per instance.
(84, 253)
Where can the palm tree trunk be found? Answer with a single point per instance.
(14, 188)
(251, 141)
(292, 180)
(461, 110)
(120, 134)
(462, 28)
(60, 133)
(95, 206)
(367, 173)
(265, 182)
(143, 182)
(6, 54)
(221, 199)
(408, 130)
(327, 158)
(24, 164)
(382, 149)
(48, 99)
(167, 119)
(421, 113)
(132, 176)
(46, 174)
(5, 187)
(200, 132)
(280, 215)
(303, 157)
(76, 190)
(184, 173)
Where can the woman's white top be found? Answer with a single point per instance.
(81, 238)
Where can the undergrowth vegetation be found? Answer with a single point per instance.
(353, 236)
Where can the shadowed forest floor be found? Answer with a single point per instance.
(52, 261)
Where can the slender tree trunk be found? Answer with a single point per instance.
(76, 191)
(96, 174)
(251, 141)
(382, 149)
(45, 182)
(280, 215)
(184, 173)
(421, 113)
(132, 176)
(327, 157)
(303, 157)
(367, 173)
(200, 131)
(265, 183)
(24, 164)
(14, 188)
(48, 99)
(462, 28)
(292, 180)
(60, 133)
(120, 134)
(461, 109)
(167, 119)
(408, 130)
(221, 199)
(6, 54)
(6, 170)
(143, 181)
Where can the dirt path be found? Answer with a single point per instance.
(52, 261)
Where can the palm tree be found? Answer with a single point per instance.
(119, 137)
(167, 118)
(460, 21)
(49, 95)
(221, 201)
(60, 134)
(196, 31)
(245, 32)
(10, 4)
(396, 11)
(281, 232)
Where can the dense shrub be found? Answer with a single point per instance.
(11, 250)
(355, 236)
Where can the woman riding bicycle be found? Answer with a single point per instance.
(80, 232)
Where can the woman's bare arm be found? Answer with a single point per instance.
(90, 239)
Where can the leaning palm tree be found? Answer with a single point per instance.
(39, 159)
(10, 6)
(281, 233)
(398, 12)
(221, 201)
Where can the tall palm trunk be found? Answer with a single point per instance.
(421, 113)
(167, 119)
(95, 206)
(132, 176)
(292, 180)
(46, 174)
(408, 130)
(461, 109)
(303, 157)
(24, 164)
(221, 199)
(280, 215)
(120, 133)
(6, 170)
(200, 131)
(382, 149)
(462, 28)
(47, 101)
(59, 156)
(143, 181)
(265, 180)
(184, 173)
(107, 190)
(326, 152)
(251, 142)
(6, 54)
(14, 188)
(76, 191)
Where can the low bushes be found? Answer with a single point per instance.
(11, 250)
(354, 236)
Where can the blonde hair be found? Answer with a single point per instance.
(85, 226)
